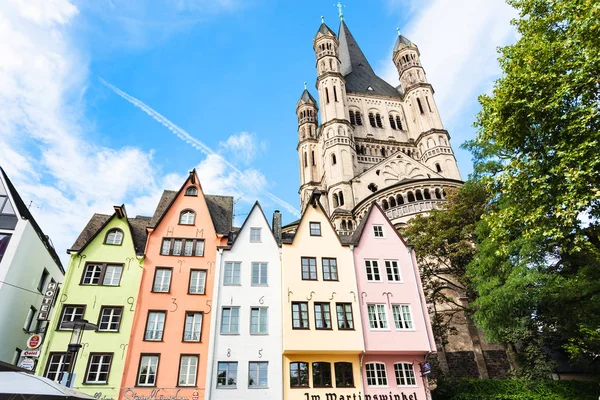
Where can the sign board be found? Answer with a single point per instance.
(47, 301)
(34, 341)
(27, 363)
(30, 353)
(195, 395)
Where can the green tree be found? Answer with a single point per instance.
(537, 267)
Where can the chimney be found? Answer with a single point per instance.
(277, 226)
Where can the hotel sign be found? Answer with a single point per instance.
(354, 396)
(47, 301)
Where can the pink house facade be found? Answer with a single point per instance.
(396, 326)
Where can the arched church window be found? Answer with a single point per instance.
(327, 97)
(392, 202)
(426, 194)
(333, 159)
(335, 200)
(372, 120)
(358, 118)
(410, 196)
(383, 152)
(343, 225)
(428, 105)
(385, 205)
(398, 122)
(392, 123)
(378, 120)
(399, 199)
(438, 168)
(312, 157)
(444, 193)
(305, 159)
(341, 197)
(419, 195)
(335, 93)
(372, 187)
(438, 194)
(418, 103)
(352, 119)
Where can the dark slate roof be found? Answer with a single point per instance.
(356, 69)
(324, 29)
(94, 225)
(402, 42)
(25, 214)
(220, 208)
(138, 227)
(307, 97)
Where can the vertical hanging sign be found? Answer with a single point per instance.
(47, 301)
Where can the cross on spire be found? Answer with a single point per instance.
(398, 29)
(340, 12)
(322, 19)
(304, 85)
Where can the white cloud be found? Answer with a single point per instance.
(457, 40)
(243, 146)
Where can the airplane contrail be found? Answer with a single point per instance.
(192, 141)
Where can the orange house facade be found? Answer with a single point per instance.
(168, 349)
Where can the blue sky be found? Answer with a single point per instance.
(228, 73)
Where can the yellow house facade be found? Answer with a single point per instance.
(322, 331)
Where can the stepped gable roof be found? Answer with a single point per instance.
(220, 208)
(356, 69)
(26, 214)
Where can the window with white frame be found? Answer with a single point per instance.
(58, 363)
(114, 237)
(110, 319)
(147, 371)
(112, 275)
(155, 326)
(378, 231)
(405, 374)
(70, 313)
(259, 320)
(392, 270)
(259, 273)
(255, 235)
(188, 370)
(102, 274)
(98, 368)
(226, 374)
(372, 267)
(197, 281)
(162, 280)
(193, 326)
(376, 375)
(191, 191)
(230, 317)
(182, 247)
(377, 316)
(91, 275)
(187, 217)
(232, 273)
(402, 316)
(258, 374)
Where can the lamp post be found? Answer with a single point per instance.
(78, 326)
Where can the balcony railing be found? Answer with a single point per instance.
(415, 207)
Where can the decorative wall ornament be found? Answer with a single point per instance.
(129, 260)
(289, 292)
(353, 294)
(362, 296)
(332, 295)
(180, 262)
(81, 258)
(123, 346)
(130, 301)
(311, 295)
(388, 294)
(175, 304)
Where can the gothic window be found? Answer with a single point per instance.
(419, 195)
(398, 122)
(372, 187)
(343, 226)
(385, 205)
(392, 123)
(392, 202)
(312, 157)
(358, 118)
(438, 168)
(438, 195)
(378, 120)
(335, 93)
(305, 159)
(372, 120)
(418, 103)
(399, 199)
(327, 97)
(333, 159)
(336, 202)
(383, 152)
(341, 197)
(352, 119)
(350, 225)
(426, 194)
(428, 105)
(411, 197)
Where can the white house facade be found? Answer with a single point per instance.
(246, 338)
(28, 263)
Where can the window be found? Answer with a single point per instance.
(334, 92)
(8, 219)
(255, 235)
(352, 119)
(197, 281)
(258, 374)
(259, 274)
(312, 158)
(192, 330)
(398, 122)
(378, 120)
(191, 191)
(162, 280)
(70, 313)
(108, 274)
(188, 369)
(110, 319)
(438, 168)
(315, 229)
(227, 374)
(372, 270)
(182, 247)
(327, 95)
(230, 317)
(372, 187)
(299, 374)
(305, 159)
(155, 325)
(333, 159)
(114, 237)
(187, 217)
(377, 316)
(4, 239)
(358, 118)
(341, 197)
(330, 269)
(344, 316)
(56, 365)
(405, 374)
(378, 230)
(402, 316)
(376, 374)
(232, 273)
(300, 315)
(392, 122)
(392, 270)
(17, 356)
(321, 374)
(344, 376)
(372, 120)
(147, 371)
(420, 106)
(309, 268)
(98, 368)
(259, 320)
(43, 279)
(322, 316)
(29, 319)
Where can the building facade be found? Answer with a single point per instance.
(396, 327)
(322, 328)
(28, 263)
(246, 331)
(101, 286)
(169, 346)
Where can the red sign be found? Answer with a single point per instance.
(195, 395)
(34, 341)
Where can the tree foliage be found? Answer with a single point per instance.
(537, 266)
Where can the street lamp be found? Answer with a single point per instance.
(78, 326)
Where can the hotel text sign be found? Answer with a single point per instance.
(47, 301)
(354, 396)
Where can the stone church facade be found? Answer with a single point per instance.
(366, 141)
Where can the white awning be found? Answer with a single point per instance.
(31, 387)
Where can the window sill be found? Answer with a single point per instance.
(105, 331)
(232, 284)
(259, 285)
(94, 383)
(259, 334)
(300, 387)
(230, 333)
(226, 387)
(153, 340)
(257, 387)
(197, 294)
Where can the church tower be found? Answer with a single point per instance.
(309, 152)
(424, 119)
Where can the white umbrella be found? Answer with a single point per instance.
(23, 386)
